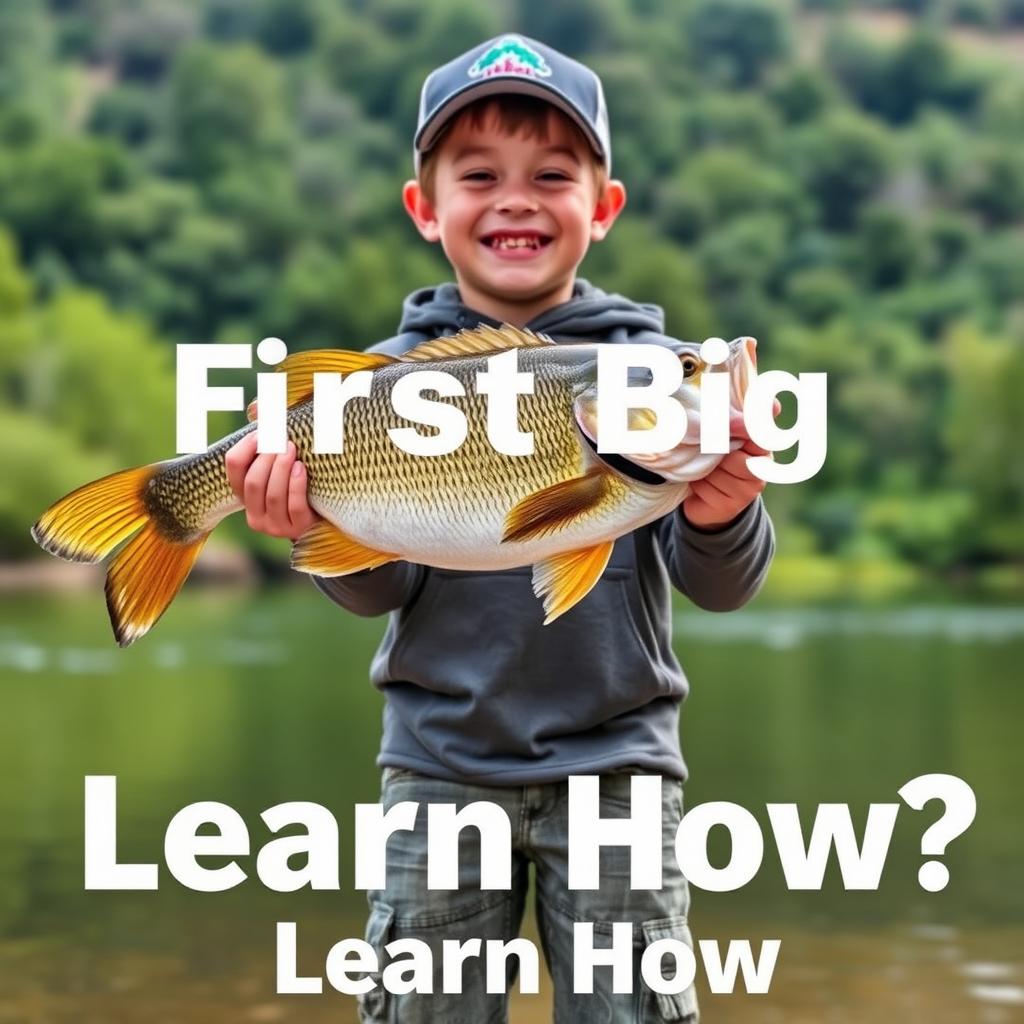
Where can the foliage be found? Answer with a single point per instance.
(208, 170)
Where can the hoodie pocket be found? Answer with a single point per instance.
(480, 637)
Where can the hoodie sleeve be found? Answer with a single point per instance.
(374, 591)
(718, 570)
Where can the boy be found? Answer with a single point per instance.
(513, 157)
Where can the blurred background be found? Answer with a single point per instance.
(843, 180)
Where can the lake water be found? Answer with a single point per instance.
(258, 698)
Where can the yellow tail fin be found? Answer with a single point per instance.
(143, 579)
(148, 571)
(87, 524)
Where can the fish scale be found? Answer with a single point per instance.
(458, 490)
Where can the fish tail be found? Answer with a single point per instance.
(87, 524)
(149, 569)
(143, 579)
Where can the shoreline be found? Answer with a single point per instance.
(217, 564)
(799, 578)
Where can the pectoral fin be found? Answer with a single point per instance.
(557, 507)
(564, 579)
(324, 550)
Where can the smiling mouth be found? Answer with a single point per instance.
(505, 241)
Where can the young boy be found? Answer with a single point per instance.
(513, 157)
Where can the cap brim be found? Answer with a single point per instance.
(497, 85)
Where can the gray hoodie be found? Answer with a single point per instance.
(478, 690)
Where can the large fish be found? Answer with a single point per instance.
(559, 509)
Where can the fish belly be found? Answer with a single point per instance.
(449, 510)
(467, 534)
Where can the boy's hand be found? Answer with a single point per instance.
(730, 487)
(726, 491)
(272, 488)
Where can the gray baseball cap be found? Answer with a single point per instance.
(513, 64)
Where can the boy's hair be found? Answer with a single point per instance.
(515, 113)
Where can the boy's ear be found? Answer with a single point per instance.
(421, 210)
(609, 205)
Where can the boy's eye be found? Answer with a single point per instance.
(553, 176)
(477, 176)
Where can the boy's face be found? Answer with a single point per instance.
(514, 214)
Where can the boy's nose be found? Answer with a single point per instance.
(516, 200)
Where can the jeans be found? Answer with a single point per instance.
(539, 820)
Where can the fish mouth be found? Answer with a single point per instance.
(742, 366)
(508, 240)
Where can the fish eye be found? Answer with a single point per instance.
(690, 365)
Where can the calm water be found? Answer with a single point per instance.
(254, 699)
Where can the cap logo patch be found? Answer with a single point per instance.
(510, 56)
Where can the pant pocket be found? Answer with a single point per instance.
(676, 1006)
(373, 1005)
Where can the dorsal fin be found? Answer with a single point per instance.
(475, 341)
(300, 367)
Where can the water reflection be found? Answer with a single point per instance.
(789, 627)
(258, 699)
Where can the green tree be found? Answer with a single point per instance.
(353, 298)
(143, 40)
(87, 357)
(719, 184)
(982, 433)
(226, 108)
(649, 132)
(898, 80)
(288, 27)
(735, 42)
(25, 53)
(890, 247)
(995, 186)
(60, 364)
(50, 193)
(842, 160)
(801, 93)
(817, 294)
(1001, 262)
(635, 262)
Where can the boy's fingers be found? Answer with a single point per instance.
(237, 462)
(731, 487)
(735, 464)
(299, 512)
(256, 486)
(708, 493)
(277, 490)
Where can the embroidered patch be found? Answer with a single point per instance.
(510, 56)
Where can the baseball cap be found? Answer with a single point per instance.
(513, 64)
